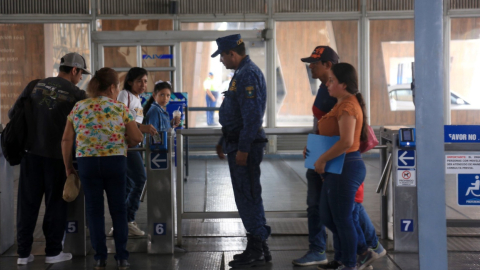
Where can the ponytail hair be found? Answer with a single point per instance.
(346, 73)
(160, 85)
(101, 81)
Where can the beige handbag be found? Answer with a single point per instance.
(71, 188)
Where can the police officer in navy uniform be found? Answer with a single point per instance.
(241, 117)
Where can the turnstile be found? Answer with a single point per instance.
(6, 203)
(160, 205)
(399, 210)
(398, 181)
(160, 197)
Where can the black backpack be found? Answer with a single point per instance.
(15, 135)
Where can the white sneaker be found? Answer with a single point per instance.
(134, 230)
(59, 258)
(110, 233)
(25, 260)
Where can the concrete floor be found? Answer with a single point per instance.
(211, 243)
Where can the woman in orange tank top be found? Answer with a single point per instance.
(347, 119)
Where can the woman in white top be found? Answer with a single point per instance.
(135, 84)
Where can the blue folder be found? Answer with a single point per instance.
(317, 145)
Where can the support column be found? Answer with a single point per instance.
(429, 123)
(271, 51)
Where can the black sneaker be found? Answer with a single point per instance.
(329, 265)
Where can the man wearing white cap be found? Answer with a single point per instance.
(42, 171)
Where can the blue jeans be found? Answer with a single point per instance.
(211, 103)
(98, 174)
(361, 217)
(316, 231)
(136, 178)
(337, 205)
(248, 191)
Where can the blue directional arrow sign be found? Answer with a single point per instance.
(406, 158)
(158, 161)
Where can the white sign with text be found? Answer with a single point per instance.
(462, 164)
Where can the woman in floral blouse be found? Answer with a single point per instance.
(103, 128)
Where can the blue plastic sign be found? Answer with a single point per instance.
(406, 158)
(159, 228)
(158, 161)
(462, 134)
(468, 186)
(157, 56)
(72, 226)
(406, 225)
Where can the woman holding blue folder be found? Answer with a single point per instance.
(347, 119)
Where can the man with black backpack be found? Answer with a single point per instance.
(42, 171)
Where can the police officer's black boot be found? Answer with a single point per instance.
(249, 243)
(266, 251)
(252, 256)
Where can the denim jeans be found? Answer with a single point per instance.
(316, 231)
(98, 174)
(361, 217)
(136, 178)
(337, 205)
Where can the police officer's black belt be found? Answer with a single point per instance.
(234, 137)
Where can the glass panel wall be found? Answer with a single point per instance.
(391, 55)
(464, 71)
(120, 56)
(33, 51)
(152, 57)
(134, 25)
(296, 90)
(222, 26)
(196, 65)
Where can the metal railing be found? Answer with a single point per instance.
(181, 214)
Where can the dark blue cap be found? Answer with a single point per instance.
(227, 43)
(322, 53)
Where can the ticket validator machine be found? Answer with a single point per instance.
(399, 181)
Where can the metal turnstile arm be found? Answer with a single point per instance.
(387, 168)
(387, 179)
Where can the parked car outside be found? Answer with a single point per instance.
(401, 99)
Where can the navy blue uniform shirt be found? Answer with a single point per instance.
(244, 105)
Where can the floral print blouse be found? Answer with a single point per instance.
(99, 124)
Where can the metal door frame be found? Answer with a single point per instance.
(101, 39)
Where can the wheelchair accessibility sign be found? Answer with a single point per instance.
(468, 186)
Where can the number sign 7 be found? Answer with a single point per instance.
(406, 225)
